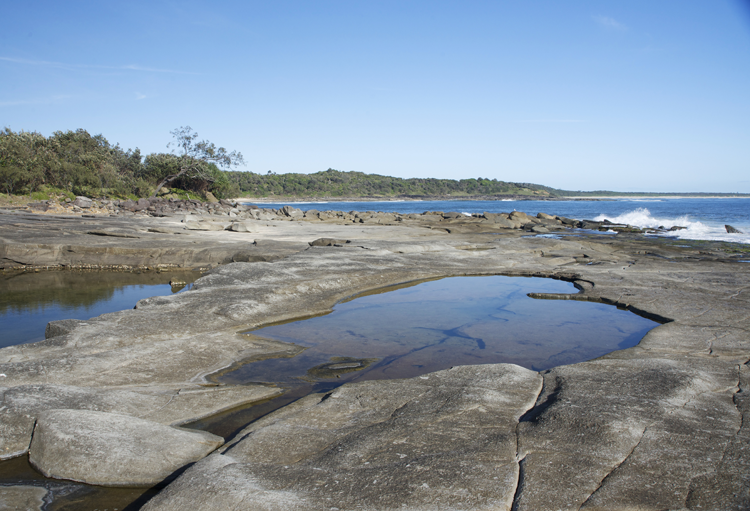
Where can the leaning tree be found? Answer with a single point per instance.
(194, 157)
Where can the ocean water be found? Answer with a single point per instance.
(704, 218)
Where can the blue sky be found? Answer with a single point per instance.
(580, 95)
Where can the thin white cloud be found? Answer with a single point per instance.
(553, 120)
(154, 70)
(139, 96)
(37, 101)
(610, 23)
(71, 67)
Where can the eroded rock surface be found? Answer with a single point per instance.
(658, 426)
(109, 449)
(444, 440)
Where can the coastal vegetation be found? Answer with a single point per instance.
(71, 163)
(74, 163)
(335, 183)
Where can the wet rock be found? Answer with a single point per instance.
(591, 225)
(28, 498)
(338, 366)
(328, 242)
(732, 230)
(569, 222)
(113, 450)
(628, 228)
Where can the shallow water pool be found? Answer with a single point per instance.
(29, 300)
(416, 328)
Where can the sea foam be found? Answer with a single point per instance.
(695, 230)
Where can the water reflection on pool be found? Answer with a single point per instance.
(413, 329)
(29, 300)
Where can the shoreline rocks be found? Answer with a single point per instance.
(661, 425)
(732, 230)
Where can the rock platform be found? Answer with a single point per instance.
(662, 425)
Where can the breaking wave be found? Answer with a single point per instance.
(695, 230)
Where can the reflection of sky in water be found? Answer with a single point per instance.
(26, 310)
(453, 321)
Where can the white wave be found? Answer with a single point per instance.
(465, 213)
(640, 200)
(694, 230)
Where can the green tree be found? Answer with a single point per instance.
(194, 157)
(23, 159)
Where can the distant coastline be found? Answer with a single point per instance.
(291, 199)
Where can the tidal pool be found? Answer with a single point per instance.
(29, 300)
(412, 329)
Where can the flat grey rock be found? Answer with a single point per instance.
(443, 440)
(113, 450)
(205, 226)
(23, 404)
(662, 425)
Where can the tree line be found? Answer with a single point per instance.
(77, 163)
(335, 183)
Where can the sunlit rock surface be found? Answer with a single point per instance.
(662, 425)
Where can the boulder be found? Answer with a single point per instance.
(591, 225)
(83, 202)
(569, 222)
(453, 215)
(142, 204)
(292, 212)
(503, 220)
(519, 216)
(109, 449)
(732, 230)
(211, 198)
(238, 227)
(538, 229)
